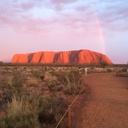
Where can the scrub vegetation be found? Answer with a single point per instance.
(36, 96)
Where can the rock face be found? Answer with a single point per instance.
(66, 57)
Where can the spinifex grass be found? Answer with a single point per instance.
(70, 82)
(33, 109)
(32, 112)
(21, 112)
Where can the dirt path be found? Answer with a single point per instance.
(108, 106)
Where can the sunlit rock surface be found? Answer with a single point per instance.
(63, 57)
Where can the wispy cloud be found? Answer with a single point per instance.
(21, 15)
(26, 6)
(62, 1)
(114, 15)
(60, 21)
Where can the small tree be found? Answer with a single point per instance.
(103, 63)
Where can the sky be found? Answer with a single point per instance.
(28, 26)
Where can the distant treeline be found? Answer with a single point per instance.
(61, 65)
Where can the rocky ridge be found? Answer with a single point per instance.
(64, 57)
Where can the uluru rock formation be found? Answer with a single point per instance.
(64, 57)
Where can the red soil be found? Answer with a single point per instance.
(107, 106)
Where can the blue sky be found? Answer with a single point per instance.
(61, 25)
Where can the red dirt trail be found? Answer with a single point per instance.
(107, 106)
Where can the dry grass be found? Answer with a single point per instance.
(122, 74)
(35, 96)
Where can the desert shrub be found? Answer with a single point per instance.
(20, 114)
(124, 69)
(15, 87)
(72, 81)
(35, 73)
(32, 84)
(5, 97)
(17, 80)
(103, 63)
(31, 111)
(51, 86)
(42, 77)
(54, 87)
(23, 109)
(53, 107)
(122, 74)
(109, 70)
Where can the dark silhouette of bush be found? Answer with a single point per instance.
(103, 64)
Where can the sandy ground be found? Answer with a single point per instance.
(107, 105)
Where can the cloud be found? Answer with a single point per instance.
(82, 8)
(63, 1)
(27, 6)
(114, 15)
(17, 16)
(115, 12)
(80, 17)
(6, 15)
